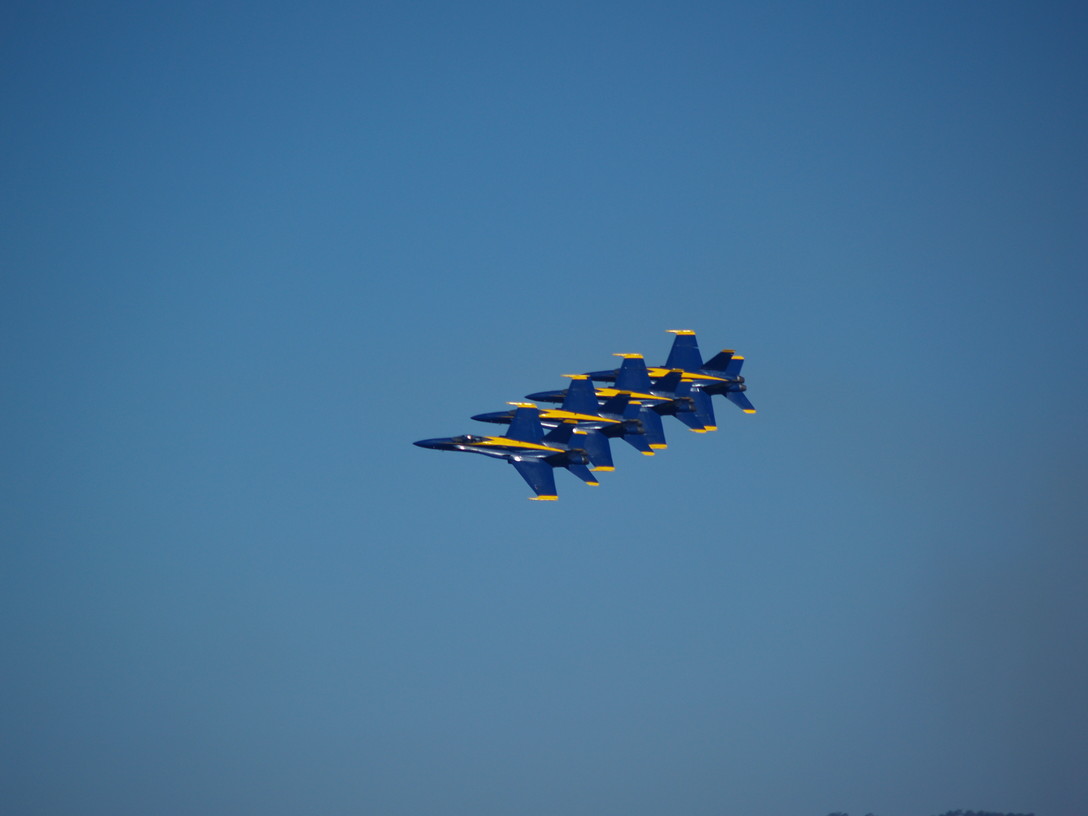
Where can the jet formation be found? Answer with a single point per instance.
(628, 404)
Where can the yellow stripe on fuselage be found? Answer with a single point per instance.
(505, 442)
(557, 414)
(611, 392)
(687, 376)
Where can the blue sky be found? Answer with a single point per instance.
(252, 251)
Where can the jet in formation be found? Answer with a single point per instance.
(628, 406)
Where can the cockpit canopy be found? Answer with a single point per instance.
(467, 439)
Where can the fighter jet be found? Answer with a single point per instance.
(595, 423)
(525, 446)
(718, 375)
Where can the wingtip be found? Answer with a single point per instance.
(543, 498)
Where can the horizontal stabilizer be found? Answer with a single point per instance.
(692, 420)
(704, 409)
(583, 473)
(655, 431)
(597, 448)
(739, 399)
(639, 441)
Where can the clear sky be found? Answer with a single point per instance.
(251, 251)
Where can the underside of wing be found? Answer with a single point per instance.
(539, 475)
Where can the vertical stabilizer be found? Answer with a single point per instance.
(685, 351)
(560, 435)
(723, 363)
(633, 375)
(525, 426)
(581, 397)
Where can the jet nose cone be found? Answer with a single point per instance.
(434, 444)
(546, 396)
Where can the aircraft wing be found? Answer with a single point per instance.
(539, 475)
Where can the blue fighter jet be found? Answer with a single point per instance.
(595, 423)
(525, 446)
